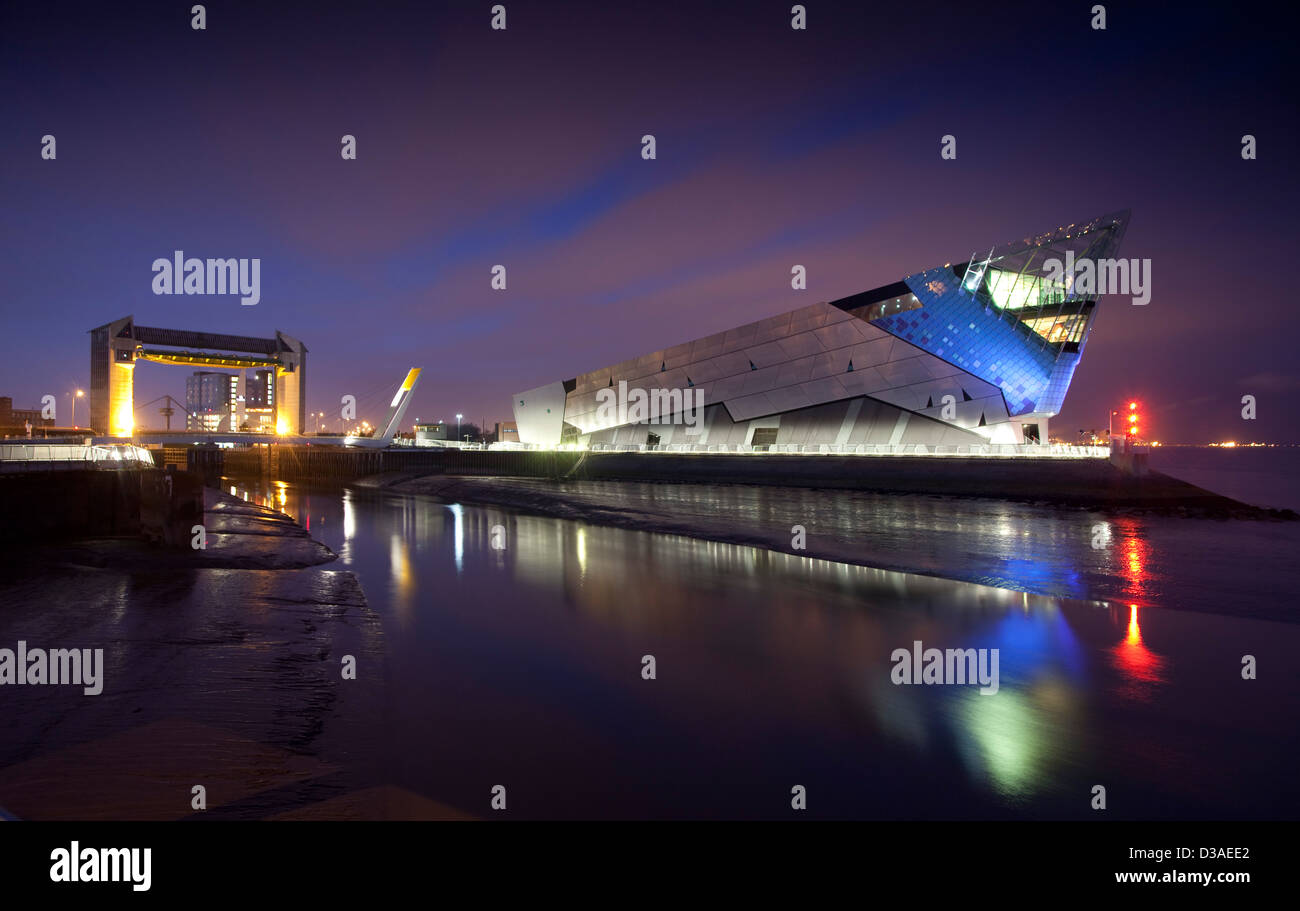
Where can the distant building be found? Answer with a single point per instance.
(15, 420)
(211, 399)
(430, 432)
(507, 432)
(259, 401)
(259, 389)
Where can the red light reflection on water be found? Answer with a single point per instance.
(1131, 562)
(1140, 666)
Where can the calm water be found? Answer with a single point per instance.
(1261, 476)
(522, 666)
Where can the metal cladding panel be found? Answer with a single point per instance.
(869, 354)
(677, 352)
(839, 335)
(830, 364)
(827, 389)
(762, 380)
(677, 359)
(539, 414)
(856, 381)
(968, 414)
(874, 424)
(798, 371)
(801, 345)
(711, 346)
(766, 355)
(750, 406)
(728, 388)
(865, 380)
(813, 317)
(731, 364)
(772, 329)
(940, 368)
(902, 396)
(738, 338)
(789, 398)
(671, 379)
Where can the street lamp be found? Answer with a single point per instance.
(458, 417)
(79, 394)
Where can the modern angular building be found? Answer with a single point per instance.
(971, 353)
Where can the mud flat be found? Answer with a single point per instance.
(238, 535)
(599, 493)
(1062, 482)
(221, 667)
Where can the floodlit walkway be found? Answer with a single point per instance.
(990, 450)
(48, 456)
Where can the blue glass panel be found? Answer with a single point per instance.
(952, 324)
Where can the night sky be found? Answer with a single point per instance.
(522, 147)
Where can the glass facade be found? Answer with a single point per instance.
(210, 401)
(1010, 317)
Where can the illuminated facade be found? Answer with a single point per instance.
(259, 401)
(116, 348)
(212, 401)
(973, 353)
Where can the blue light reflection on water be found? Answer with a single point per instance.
(771, 665)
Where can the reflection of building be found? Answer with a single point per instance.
(212, 401)
(116, 348)
(971, 353)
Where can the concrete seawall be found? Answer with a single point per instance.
(315, 464)
(158, 506)
(1062, 481)
(1073, 482)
